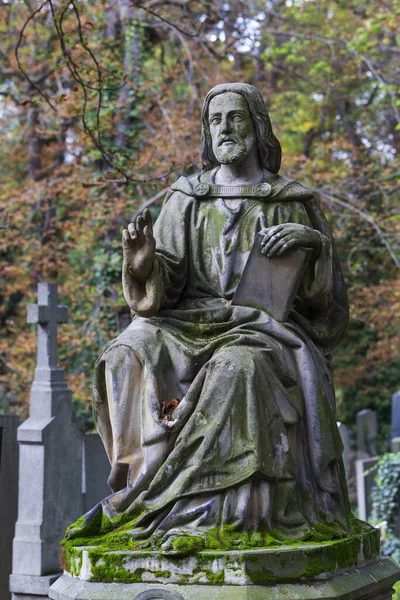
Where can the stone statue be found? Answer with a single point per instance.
(217, 416)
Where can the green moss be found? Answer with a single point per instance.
(105, 574)
(347, 553)
(188, 544)
(162, 574)
(216, 578)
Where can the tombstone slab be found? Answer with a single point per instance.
(96, 469)
(395, 444)
(365, 475)
(366, 433)
(396, 415)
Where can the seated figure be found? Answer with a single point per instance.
(213, 415)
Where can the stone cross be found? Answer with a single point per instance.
(46, 314)
(50, 466)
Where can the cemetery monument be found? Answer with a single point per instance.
(216, 405)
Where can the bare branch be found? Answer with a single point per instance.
(334, 198)
(167, 22)
(17, 47)
(148, 203)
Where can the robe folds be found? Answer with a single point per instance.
(253, 442)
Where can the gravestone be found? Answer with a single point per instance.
(50, 466)
(96, 469)
(396, 414)
(366, 433)
(8, 496)
(366, 452)
(395, 443)
(365, 475)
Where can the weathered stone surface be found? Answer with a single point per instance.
(372, 581)
(283, 564)
(8, 497)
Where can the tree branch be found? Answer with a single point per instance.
(334, 198)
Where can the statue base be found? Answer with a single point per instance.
(372, 581)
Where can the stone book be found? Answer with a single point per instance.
(271, 284)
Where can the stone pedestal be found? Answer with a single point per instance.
(373, 581)
(347, 568)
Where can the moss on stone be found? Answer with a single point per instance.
(328, 547)
(216, 578)
(162, 574)
(188, 544)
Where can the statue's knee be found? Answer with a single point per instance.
(233, 359)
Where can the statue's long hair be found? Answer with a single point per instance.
(268, 147)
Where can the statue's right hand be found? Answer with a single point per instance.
(139, 247)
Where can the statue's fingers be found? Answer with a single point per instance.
(273, 240)
(125, 236)
(147, 217)
(270, 232)
(132, 231)
(282, 247)
(147, 230)
(139, 225)
(149, 222)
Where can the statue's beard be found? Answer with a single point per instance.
(234, 152)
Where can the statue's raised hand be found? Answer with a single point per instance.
(280, 238)
(139, 247)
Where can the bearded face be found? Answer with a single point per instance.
(231, 127)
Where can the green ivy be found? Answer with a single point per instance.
(386, 501)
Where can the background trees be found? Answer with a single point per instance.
(99, 112)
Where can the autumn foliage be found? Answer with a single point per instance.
(99, 113)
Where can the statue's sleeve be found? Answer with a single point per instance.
(168, 277)
(317, 283)
(321, 307)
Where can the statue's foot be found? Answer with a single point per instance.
(290, 518)
(88, 525)
(148, 544)
(182, 545)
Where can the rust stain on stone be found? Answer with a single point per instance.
(168, 407)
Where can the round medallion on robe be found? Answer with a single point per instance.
(263, 189)
(202, 190)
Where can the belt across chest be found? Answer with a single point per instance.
(212, 190)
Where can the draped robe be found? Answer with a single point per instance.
(253, 442)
